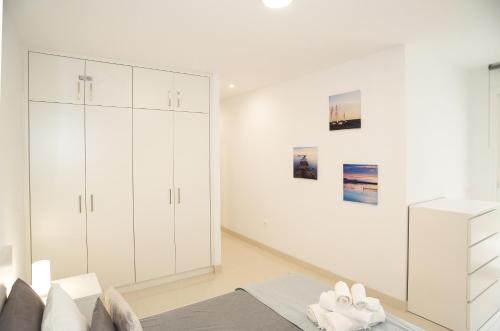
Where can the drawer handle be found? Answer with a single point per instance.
(484, 239)
(483, 265)
(482, 292)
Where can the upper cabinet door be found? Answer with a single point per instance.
(108, 84)
(56, 78)
(192, 93)
(153, 89)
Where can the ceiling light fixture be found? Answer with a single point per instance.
(277, 3)
(231, 86)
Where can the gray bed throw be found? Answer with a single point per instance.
(290, 295)
(235, 311)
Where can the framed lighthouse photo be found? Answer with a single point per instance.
(305, 162)
(345, 111)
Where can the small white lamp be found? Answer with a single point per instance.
(40, 279)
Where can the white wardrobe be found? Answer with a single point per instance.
(119, 169)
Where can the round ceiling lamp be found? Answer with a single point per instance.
(277, 3)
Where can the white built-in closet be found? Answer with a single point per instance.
(119, 169)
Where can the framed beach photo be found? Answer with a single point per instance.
(361, 183)
(305, 162)
(345, 111)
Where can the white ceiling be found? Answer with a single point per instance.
(250, 45)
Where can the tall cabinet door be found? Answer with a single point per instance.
(153, 89)
(192, 93)
(57, 186)
(108, 84)
(192, 181)
(109, 194)
(153, 194)
(56, 78)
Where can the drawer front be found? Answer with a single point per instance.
(483, 278)
(484, 226)
(483, 252)
(484, 307)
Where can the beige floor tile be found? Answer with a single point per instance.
(243, 263)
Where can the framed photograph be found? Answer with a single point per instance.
(361, 183)
(345, 111)
(305, 162)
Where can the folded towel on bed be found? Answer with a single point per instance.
(377, 317)
(339, 322)
(361, 317)
(373, 304)
(327, 301)
(343, 294)
(316, 314)
(358, 293)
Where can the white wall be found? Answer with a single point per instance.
(481, 162)
(12, 148)
(436, 107)
(309, 219)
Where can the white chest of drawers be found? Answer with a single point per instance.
(454, 263)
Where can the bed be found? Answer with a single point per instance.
(276, 305)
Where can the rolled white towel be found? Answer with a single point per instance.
(343, 294)
(359, 296)
(377, 317)
(373, 304)
(327, 300)
(362, 317)
(339, 322)
(316, 315)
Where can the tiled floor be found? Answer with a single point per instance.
(243, 263)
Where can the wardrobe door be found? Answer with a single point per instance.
(109, 194)
(192, 93)
(153, 194)
(153, 89)
(108, 84)
(56, 78)
(192, 209)
(57, 187)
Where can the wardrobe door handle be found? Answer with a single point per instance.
(178, 99)
(92, 203)
(169, 99)
(79, 90)
(80, 203)
(91, 91)
(170, 198)
(178, 195)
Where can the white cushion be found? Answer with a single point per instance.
(3, 296)
(122, 315)
(61, 312)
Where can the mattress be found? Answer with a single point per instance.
(275, 305)
(236, 311)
